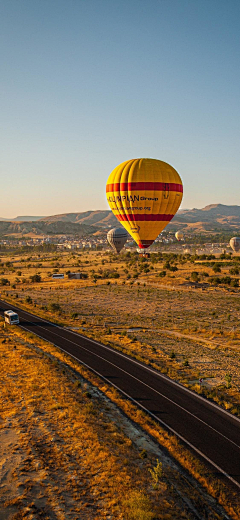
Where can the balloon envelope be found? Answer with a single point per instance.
(144, 195)
(117, 238)
(235, 244)
(179, 235)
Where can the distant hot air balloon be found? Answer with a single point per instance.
(144, 195)
(235, 244)
(179, 235)
(117, 238)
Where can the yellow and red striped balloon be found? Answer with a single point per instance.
(144, 195)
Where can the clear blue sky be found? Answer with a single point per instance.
(88, 84)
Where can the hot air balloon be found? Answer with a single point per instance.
(144, 195)
(235, 244)
(179, 235)
(117, 238)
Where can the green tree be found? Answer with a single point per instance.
(195, 276)
(216, 268)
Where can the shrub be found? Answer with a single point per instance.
(195, 276)
(137, 506)
(156, 473)
(166, 265)
(54, 307)
(216, 268)
(215, 280)
(28, 299)
(4, 281)
(228, 379)
(226, 280)
(173, 268)
(162, 274)
(234, 270)
(35, 278)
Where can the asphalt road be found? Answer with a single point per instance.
(213, 433)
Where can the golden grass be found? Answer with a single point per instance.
(72, 452)
(69, 405)
(201, 327)
(107, 312)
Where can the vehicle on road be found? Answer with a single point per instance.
(11, 317)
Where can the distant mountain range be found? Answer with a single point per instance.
(101, 218)
(212, 218)
(20, 219)
(215, 217)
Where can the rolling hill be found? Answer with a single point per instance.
(212, 218)
(100, 218)
(46, 228)
(215, 217)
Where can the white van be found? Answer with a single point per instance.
(11, 317)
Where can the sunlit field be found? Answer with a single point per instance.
(67, 450)
(179, 313)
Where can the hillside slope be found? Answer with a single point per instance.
(46, 228)
(101, 218)
(212, 218)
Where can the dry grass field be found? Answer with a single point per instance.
(188, 330)
(184, 323)
(68, 452)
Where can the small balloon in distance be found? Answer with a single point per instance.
(179, 235)
(144, 195)
(117, 237)
(235, 244)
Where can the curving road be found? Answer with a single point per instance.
(212, 432)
